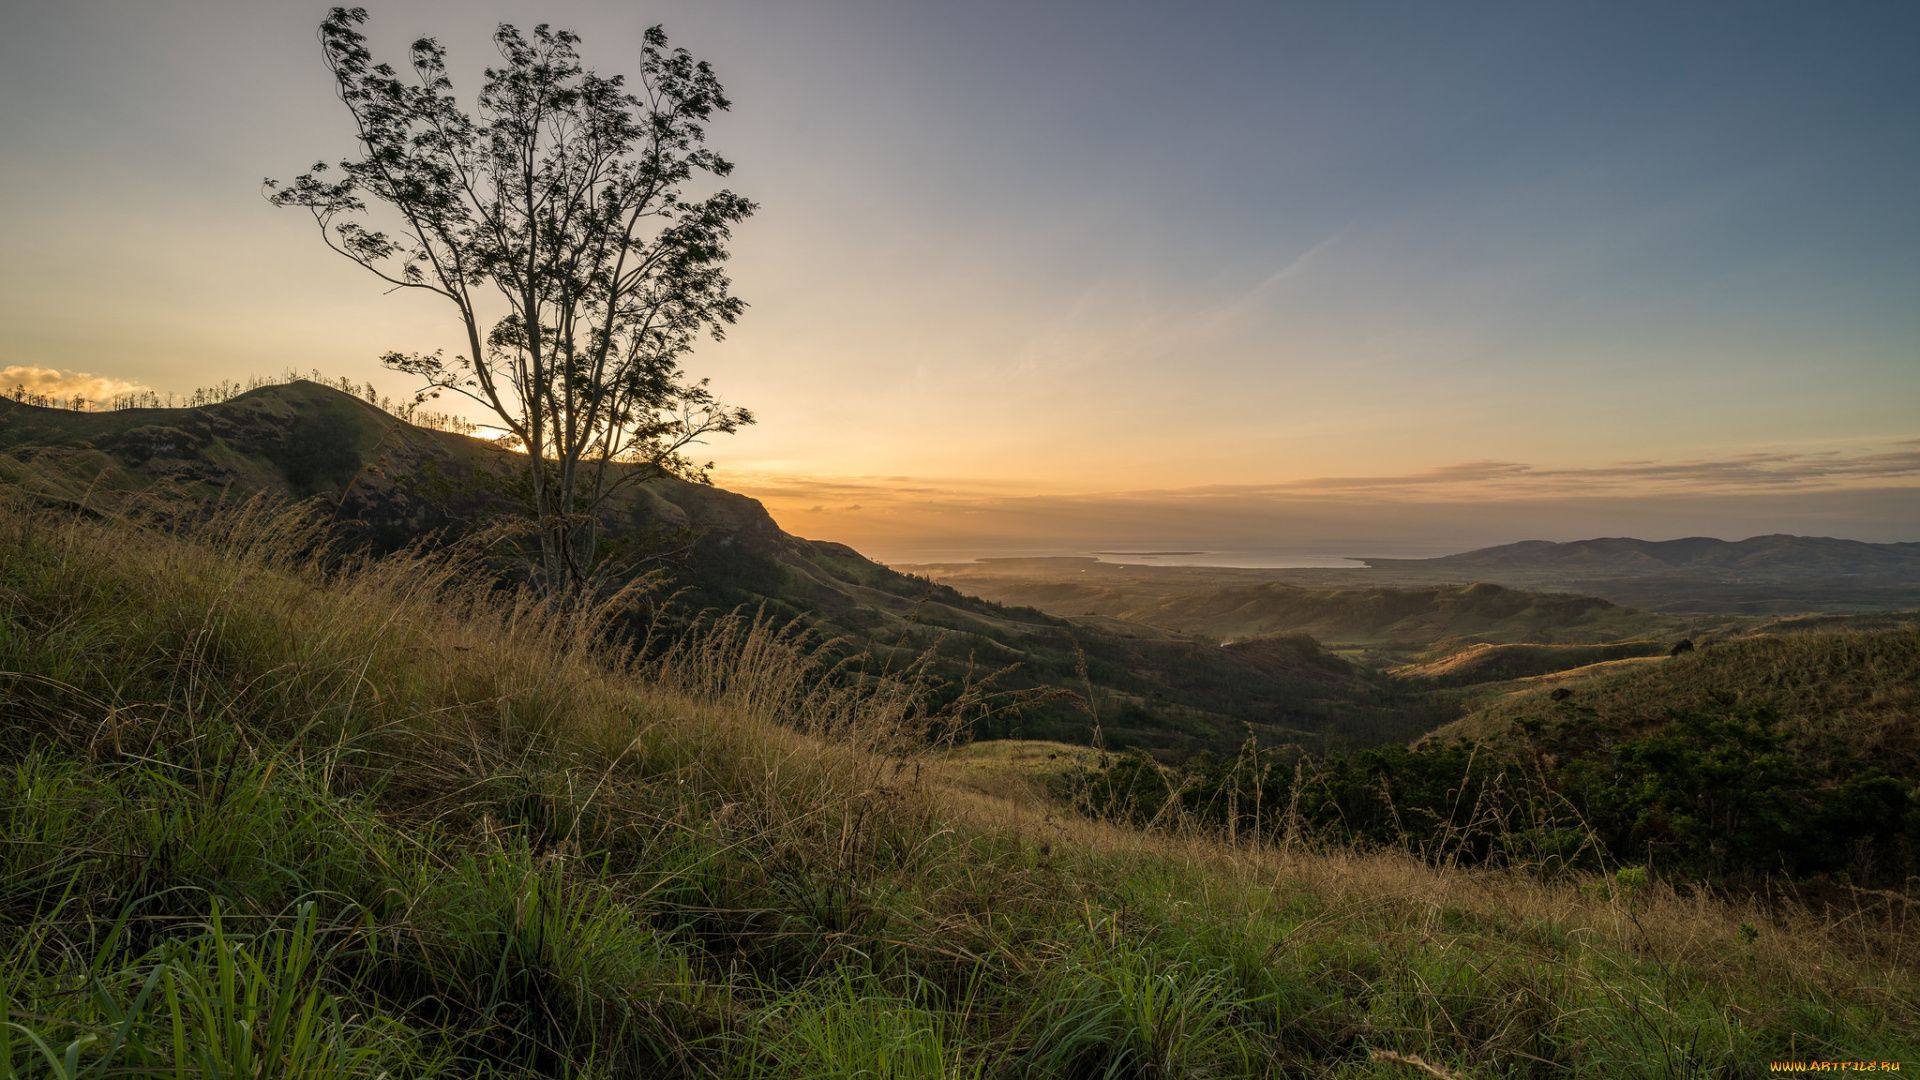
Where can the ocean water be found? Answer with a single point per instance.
(1330, 556)
(1250, 559)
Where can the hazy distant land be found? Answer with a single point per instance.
(1762, 575)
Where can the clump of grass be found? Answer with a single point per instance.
(1122, 1010)
(205, 1005)
(265, 811)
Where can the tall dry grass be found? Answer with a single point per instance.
(731, 856)
(421, 675)
(1833, 939)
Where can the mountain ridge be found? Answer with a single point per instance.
(1772, 554)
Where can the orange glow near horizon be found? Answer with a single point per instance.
(1862, 488)
(1345, 283)
(1863, 492)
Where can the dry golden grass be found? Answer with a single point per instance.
(430, 678)
(1850, 943)
(1604, 667)
(430, 690)
(1021, 771)
(854, 758)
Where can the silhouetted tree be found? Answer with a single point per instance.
(557, 221)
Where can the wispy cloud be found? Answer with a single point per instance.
(1864, 491)
(1896, 462)
(1811, 470)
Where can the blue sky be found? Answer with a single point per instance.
(1075, 249)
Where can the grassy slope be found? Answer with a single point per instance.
(1861, 687)
(1497, 663)
(265, 820)
(391, 482)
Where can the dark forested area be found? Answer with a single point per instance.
(1726, 794)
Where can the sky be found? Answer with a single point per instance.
(1274, 281)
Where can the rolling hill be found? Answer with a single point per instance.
(1761, 575)
(1380, 625)
(1859, 688)
(1497, 663)
(385, 483)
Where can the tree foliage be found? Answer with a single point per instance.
(560, 221)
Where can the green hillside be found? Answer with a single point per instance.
(1758, 764)
(273, 815)
(1859, 688)
(1498, 663)
(385, 483)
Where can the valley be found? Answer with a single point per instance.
(1172, 659)
(778, 756)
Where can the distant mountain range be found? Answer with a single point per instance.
(1774, 557)
(1697, 577)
